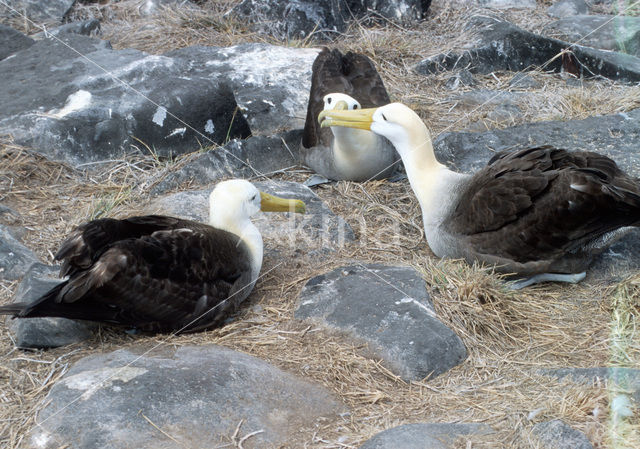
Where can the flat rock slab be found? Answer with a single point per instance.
(424, 435)
(389, 308)
(615, 136)
(567, 8)
(318, 231)
(287, 20)
(255, 156)
(198, 395)
(620, 33)
(15, 258)
(503, 46)
(12, 41)
(70, 109)
(39, 11)
(558, 435)
(37, 333)
(271, 83)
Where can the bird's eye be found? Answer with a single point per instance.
(355, 106)
(329, 100)
(383, 117)
(253, 198)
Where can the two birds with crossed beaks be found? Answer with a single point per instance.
(541, 213)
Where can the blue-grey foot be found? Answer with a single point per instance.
(547, 277)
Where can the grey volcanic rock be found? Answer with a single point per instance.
(255, 156)
(389, 308)
(44, 332)
(318, 231)
(497, 4)
(15, 258)
(620, 34)
(615, 136)
(68, 108)
(198, 395)
(501, 106)
(565, 8)
(507, 4)
(558, 435)
(89, 27)
(301, 19)
(12, 41)
(39, 11)
(271, 83)
(424, 435)
(503, 46)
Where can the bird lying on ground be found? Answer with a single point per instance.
(158, 273)
(541, 213)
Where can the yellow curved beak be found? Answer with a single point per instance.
(272, 203)
(356, 118)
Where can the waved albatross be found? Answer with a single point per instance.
(158, 273)
(348, 82)
(542, 213)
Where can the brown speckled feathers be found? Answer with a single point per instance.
(154, 273)
(352, 74)
(544, 205)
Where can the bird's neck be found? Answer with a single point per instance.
(435, 186)
(423, 169)
(250, 235)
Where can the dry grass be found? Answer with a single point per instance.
(510, 336)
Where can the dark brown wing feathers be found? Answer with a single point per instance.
(541, 203)
(154, 273)
(352, 74)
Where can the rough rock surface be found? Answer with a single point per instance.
(15, 258)
(500, 106)
(424, 435)
(89, 27)
(612, 135)
(503, 46)
(620, 34)
(615, 136)
(271, 83)
(44, 332)
(497, 4)
(506, 4)
(194, 394)
(565, 8)
(389, 308)
(302, 18)
(72, 110)
(39, 11)
(318, 231)
(66, 107)
(255, 156)
(558, 435)
(12, 41)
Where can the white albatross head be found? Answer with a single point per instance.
(340, 102)
(232, 204)
(395, 121)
